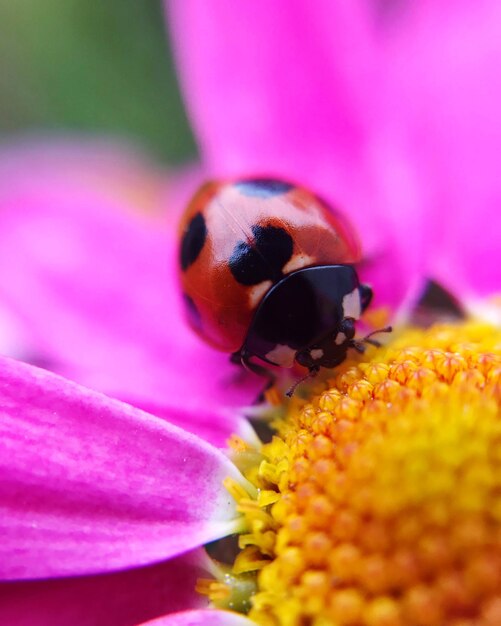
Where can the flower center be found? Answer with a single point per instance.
(380, 498)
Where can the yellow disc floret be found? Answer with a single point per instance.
(380, 498)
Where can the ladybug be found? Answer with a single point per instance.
(267, 272)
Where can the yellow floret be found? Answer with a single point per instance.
(380, 496)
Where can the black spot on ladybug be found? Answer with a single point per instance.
(193, 241)
(262, 259)
(192, 312)
(263, 187)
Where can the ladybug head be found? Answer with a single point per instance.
(330, 354)
(308, 316)
(330, 350)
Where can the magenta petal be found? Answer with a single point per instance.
(117, 599)
(91, 239)
(445, 60)
(298, 90)
(202, 618)
(389, 109)
(291, 82)
(214, 427)
(90, 484)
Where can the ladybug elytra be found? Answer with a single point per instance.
(267, 271)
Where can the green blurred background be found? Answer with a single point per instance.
(91, 65)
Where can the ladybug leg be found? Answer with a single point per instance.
(243, 358)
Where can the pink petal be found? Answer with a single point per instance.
(214, 427)
(443, 64)
(202, 618)
(90, 484)
(393, 115)
(277, 80)
(103, 276)
(287, 101)
(298, 96)
(117, 599)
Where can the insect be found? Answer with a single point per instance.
(267, 272)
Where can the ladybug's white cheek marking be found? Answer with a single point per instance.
(316, 354)
(351, 305)
(297, 262)
(257, 292)
(282, 355)
(340, 339)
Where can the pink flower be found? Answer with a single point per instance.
(88, 284)
(390, 109)
(91, 487)
(95, 488)
(392, 115)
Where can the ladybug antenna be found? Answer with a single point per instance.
(375, 342)
(311, 374)
(359, 344)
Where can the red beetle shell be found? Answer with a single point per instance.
(221, 219)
